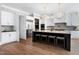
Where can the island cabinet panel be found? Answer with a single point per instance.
(67, 37)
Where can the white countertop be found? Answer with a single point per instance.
(64, 32)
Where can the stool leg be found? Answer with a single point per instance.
(40, 39)
(48, 40)
(64, 43)
(56, 41)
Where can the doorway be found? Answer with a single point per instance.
(29, 28)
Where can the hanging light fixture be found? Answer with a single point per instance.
(45, 9)
(60, 12)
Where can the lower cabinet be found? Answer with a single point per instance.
(7, 37)
(75, 34)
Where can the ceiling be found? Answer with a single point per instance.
(42, 8)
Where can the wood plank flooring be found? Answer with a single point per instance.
(27, 47)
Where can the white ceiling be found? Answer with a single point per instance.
(42, 8)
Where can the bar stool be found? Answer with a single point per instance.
(44, 38)
(51, 39)
(37, 37)
(60, 39)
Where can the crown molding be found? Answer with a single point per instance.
(14, 9)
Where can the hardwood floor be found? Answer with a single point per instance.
(27, 47)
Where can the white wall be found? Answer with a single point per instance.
(0, 24)
(22, 25)
(16, 21)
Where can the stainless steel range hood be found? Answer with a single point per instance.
(63, 26)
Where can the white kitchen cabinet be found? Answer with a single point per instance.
(7, 37)
(4, 38)
(75, 19)
(7, 18)
(72, 19)
(12, 36)
(74, 34)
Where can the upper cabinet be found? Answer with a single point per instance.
(75, 18)
(72, 19)
(7, 18)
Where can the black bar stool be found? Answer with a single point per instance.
(60, 39)
(37, 37)
(51, 39)
(44, 38)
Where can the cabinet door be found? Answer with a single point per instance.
(7, 18)
(74, 34)
(11, 19)
(75, 20)
(8, 37)
(12, 36)
(4, 18)
(74, 17)
(4, 38)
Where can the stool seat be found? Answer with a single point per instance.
(51, 36)
(44, 35)
(37, 38)
(44, 38)
(61, 38)
(51, 39)
(37, 34)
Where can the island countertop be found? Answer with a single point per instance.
(63, 32)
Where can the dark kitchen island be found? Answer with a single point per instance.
(64, 34)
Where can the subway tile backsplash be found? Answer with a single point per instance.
(7, 28)
(63, 26)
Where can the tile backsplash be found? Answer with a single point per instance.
(7, 28)
(63, 26)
